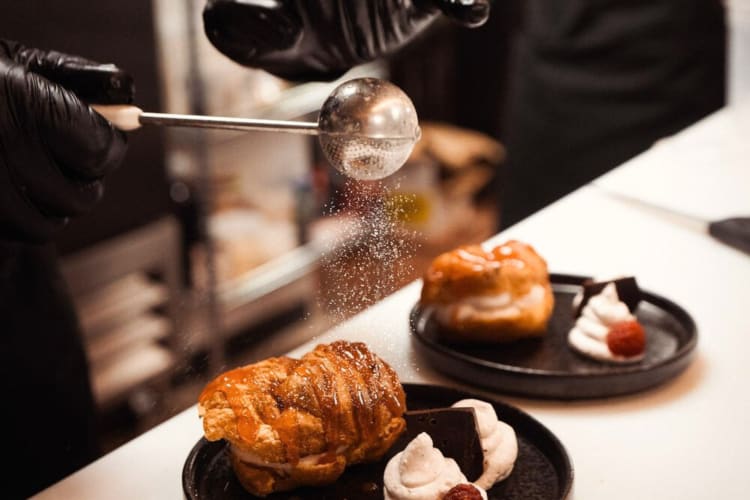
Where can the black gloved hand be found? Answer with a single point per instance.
(321, 39)
(54, 150)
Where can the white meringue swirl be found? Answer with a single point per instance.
(589, 334)
(498, 440)
(420, 472)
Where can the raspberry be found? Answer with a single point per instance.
(626, 338)
(463, 492)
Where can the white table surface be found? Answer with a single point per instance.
(688, 439)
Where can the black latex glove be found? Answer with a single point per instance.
(321, 39)
(54, 150)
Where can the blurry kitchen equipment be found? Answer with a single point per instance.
(367, 127)
(464, 162)
(245, 238)
(738, 81)
(457, 148)
(732, 231)
(127, 292)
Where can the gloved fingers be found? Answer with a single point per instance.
(249, 29)
(40, 131)
(42, 184)
(21, 220)
(77, 139)
(469, 13)
(53, 148)
(91, 81)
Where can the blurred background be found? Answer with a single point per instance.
(212, 249)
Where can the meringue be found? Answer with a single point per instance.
(589, 334)
(420, 472)
(498, 440)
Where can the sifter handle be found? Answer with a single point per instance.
(131, 118)
(121, 116)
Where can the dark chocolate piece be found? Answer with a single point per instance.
(627, 291)
(453, 432)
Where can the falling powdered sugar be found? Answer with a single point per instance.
(374, 250)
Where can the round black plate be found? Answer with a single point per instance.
(546, 367)
(542, 471)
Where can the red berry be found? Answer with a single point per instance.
(626, 338)
(463, 492)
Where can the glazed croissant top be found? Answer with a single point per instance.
(339, 399)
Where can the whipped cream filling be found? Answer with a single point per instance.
(308, 460)
(589, 334)
(498, 440)
(489, 307)
(420, 472)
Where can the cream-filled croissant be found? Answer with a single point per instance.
(490, 295)
(300, 422)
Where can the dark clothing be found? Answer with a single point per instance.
(48, 409)
(596, 82)
(54, 154)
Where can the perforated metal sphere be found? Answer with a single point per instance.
(368, 128)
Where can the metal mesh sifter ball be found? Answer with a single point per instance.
(367, 127)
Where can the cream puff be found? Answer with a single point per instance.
(493, 295)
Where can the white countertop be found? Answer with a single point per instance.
(688, 439)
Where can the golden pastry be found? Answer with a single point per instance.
(294, 422)
(491, 295)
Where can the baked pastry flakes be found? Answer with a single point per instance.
(294, 422)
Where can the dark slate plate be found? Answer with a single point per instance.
(547, 368)
(542, 471)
